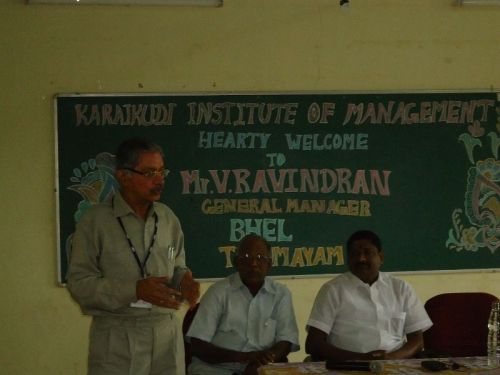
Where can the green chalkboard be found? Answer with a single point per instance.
(304, 170)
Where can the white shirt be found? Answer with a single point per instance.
(362, 318)
(230, 317)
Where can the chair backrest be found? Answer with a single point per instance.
(186, 323)
(460, 326)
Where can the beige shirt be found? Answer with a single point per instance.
(103, 271)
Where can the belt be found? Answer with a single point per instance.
(134, 321)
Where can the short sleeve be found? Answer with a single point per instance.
(324, 310)
(287, 325)
(416, 317)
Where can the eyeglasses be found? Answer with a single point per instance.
(259, 258)
(366, 252)
(163, 173)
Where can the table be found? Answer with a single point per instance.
(468, 365)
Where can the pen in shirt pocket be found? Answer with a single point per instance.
(171, 252)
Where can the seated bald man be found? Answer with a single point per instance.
(245, 320)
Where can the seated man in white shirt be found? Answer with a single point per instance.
(365, 314)
(245, 320)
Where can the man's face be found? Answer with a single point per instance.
(253, 262)
(144, 189)
(364, 260)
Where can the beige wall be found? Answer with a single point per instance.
(247, 45)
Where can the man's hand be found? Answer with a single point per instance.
(251, 369)
(190, 289)
(155, 291)
(377, 354)
(261, 357)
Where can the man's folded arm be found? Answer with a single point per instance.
(413, 345)
(319, 348)
(211, 353)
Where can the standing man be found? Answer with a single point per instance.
(127, 269)
(245, 320)
(366, 314)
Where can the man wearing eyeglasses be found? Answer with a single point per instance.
(245, 320)
(127, 270)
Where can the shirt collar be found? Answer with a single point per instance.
(236, 283)
(382, 280)
(121, 207)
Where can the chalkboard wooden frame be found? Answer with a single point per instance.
(303, 169)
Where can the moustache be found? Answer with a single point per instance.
(362, 265)
(157, 189)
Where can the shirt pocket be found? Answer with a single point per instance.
(396, 323)
(161, 261)
(267, 333)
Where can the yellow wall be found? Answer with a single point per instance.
(247, 45)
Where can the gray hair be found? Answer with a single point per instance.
(128, 152)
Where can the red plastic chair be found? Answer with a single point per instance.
(460, 324)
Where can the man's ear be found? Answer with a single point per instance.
(234, 259)
(270, 262)
(270, 259)
(121, 176)
(381, 254)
